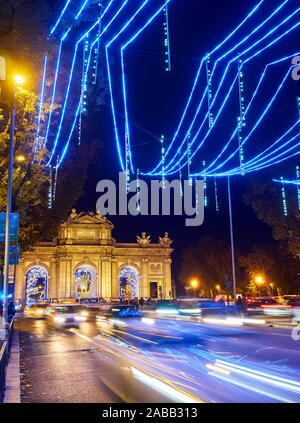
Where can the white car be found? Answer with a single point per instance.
(67, 315)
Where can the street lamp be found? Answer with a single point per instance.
(259, 280)
(20, 158)
(17, 82)
(194, 285)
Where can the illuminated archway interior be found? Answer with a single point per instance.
(36, 284)
(129, 286)
(85, 282)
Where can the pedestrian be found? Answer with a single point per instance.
(11, 310)
(244, 305)
(239, 305)
(142, 302)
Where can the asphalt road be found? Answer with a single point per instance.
(160, 360)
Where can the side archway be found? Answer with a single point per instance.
(36, 284)
(129, 284)
(85, 282)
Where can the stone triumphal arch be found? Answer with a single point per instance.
(86, 261)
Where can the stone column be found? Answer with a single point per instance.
(20, 281)
(69, 277)
(99, 279)
(106, 277)
(62, 278)
(144, 279)
(52, 293)
(167, 288)
(114, 278)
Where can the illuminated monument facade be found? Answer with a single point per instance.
(85, 261)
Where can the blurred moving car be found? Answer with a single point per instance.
(36, 310)
(65, 315)
(167, 307)
(117, 315)
(270, 306)
(208, 306)
(19, 307)
(295, 307)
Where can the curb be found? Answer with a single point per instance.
(12, 388)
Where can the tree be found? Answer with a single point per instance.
(24, 26)
(208, 262)
(265, 197)
(278, 269)
(31, 177)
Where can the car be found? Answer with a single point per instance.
(36, 310)
(167, 307)
(114, 300)
(208, 306)
(88, 300)
(287, 298)
(67, 315)
(261, 302)
(19, 307)
(294, 302)
(117, 315)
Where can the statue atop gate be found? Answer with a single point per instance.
(165, 241)
(144, 241)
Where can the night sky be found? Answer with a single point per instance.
(156, 100)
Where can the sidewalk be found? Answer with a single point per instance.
(13, 391)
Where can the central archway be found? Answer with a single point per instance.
(85, 282)
(129, 286)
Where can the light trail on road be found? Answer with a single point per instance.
(188, 361)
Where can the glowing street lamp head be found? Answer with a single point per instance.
(19, 80)
(20, 158)
(194, 284)
(259, 280)
(218, 287)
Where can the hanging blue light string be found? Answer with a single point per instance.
(97, 49)
(216, 194)
(284, 204)
(167, 55)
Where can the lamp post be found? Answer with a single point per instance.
(18, 80)
(231, 239)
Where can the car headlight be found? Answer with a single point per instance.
(80, 318)
(148, 321)
(84, 313)
(118, 322)
(59, 319)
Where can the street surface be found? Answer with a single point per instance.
(157, 361)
